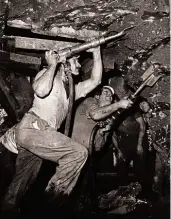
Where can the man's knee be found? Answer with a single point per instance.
(82, 152)
(20, 137)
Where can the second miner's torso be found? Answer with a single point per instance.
(54, 107)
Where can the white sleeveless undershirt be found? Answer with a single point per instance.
(54, 107)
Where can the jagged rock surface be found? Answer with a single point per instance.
(81, 19)
(148, 42)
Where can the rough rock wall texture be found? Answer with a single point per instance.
(67, 18)
(147, 42)
(20, 91)
(3, 15)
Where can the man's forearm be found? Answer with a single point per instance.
(140, 137)
(43, 85)
(105, 111)
(97, 67)
(141, 134)
(142, 129)
(90, 84)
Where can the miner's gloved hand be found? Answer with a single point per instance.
(108, 125)
(52, 58)
(125, 103)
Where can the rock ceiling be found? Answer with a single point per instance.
(148, 42)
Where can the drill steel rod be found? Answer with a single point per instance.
(69, 52)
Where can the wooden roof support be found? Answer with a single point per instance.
(27, 61)
(17, 42)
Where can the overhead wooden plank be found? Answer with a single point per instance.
(9, 57)
(36, 44)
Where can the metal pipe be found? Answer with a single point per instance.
(70, 51)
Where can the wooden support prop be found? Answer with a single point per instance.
(36, 44)
(10, 58)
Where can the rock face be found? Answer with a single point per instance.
(147, 43)
(76, 19)
(3, 16)
(73, 20)
(20, 92)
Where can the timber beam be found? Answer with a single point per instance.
(17, 42)
(24, 60)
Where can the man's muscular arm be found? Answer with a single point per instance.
(105, 111)
(44, 79)
(85, 87)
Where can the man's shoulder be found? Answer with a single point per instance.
(87, 105)
(89, 101)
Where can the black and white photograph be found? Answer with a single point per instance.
(85, 109)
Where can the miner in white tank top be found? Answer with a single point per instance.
(37, 131)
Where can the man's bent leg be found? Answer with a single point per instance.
(54, 146)
(68, 171)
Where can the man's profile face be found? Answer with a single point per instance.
(106, 97)
(75, 65)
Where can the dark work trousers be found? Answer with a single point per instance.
(7, 169)
(26, 170)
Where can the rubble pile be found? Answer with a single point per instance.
(3, 114)
(122, 200)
